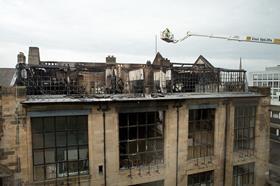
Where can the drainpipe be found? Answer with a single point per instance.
(177, 106)
(225, 138)
(103, 108)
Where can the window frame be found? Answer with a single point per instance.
(81, 164)
(243, 172)
(201, 177)
(244, 127)
(135, 159)
(199, 127)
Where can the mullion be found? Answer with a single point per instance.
(55, 151)
(128, 149)
(137, 134)
(200, 137)
(43, 121)
(67, 167)
(78, 146)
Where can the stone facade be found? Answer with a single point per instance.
(16, 143)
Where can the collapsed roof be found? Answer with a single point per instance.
(110, 77)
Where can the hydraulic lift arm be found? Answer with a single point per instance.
(167, 36)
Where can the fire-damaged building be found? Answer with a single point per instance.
(151, 124)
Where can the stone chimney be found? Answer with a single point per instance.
(21, 58)
(34, 56)
(111, 59)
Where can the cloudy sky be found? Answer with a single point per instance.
(89, 30)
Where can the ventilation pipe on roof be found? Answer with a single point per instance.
(33, 56)
(111, 59)
(21, 58)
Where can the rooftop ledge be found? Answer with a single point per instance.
(37, 99)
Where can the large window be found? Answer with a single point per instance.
(243, 174)
(141, 138)
(154, 183)
(255, 76)
(201, 179)
(59, 146)
(244, 127)
(201, 133)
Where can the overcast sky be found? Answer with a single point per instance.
(89, 30)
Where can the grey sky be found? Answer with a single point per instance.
(88, 30)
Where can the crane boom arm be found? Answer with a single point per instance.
(167, 36)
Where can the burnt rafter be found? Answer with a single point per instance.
(160, 76)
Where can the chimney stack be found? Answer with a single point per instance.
(34, 56)
(21, 58)
(111, 59)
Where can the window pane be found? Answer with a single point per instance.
(51, 171)
(141, 132)
(83, 167)
(62, 169)
(150, 145)
(82, 122)
(49, 124)
(72, 138)
(123, 120)
(73, 168)
(38, 157)
(132, 147)
(50, 155)
(61, 154)
(123, 134)
(60, 123)
(132, 119)
(142, 118)
(83, 137)
(38, 173)
(123, 148)
(124, 161)
(83, 153)
(72, 153)
(150, 117)
(72, 125)
(37, 140)
(61, 138)
(37, 125)
(141, 146)
(49, 140)
(132, 133)
(159, 130)
(151, 131)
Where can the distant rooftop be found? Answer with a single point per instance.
(6, 76)
(275, 68)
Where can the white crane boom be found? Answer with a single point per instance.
(167, 36)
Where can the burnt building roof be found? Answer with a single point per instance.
(110, 77)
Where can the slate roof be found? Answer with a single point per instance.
(6, 76)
